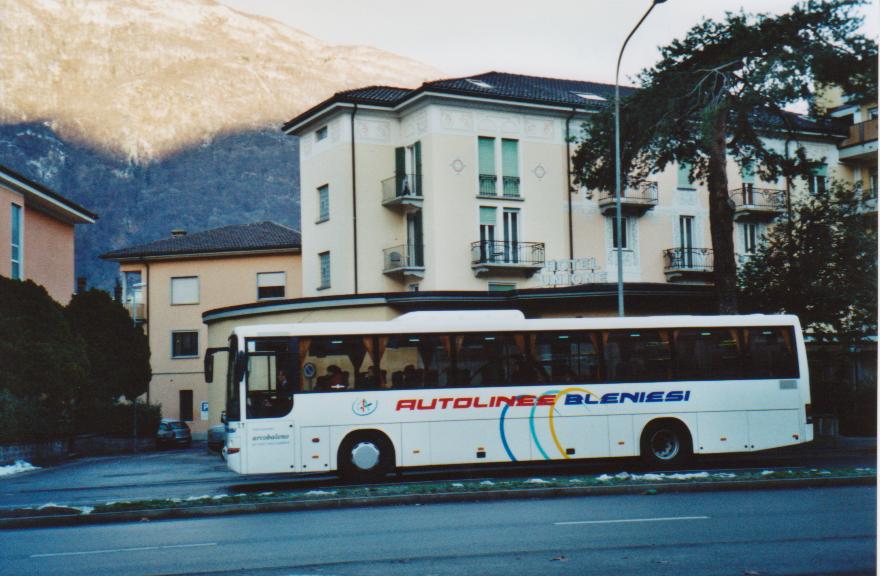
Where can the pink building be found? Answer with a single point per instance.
(39, 225)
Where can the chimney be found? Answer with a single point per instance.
(178, 232)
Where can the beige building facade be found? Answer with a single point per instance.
(466, 185)
(168, 284)
(37, 226)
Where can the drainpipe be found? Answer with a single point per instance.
(568, 183)
(354, 218)
(147, 316)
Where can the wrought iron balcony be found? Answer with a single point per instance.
(489, 256)
(634, 200)
(510, 186)
(488, 185)
(403, 191)
(404, 260)
(757, 203)
(688, 264)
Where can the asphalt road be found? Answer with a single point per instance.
(805, 531)
(195, 472)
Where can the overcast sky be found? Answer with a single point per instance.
(560, 38)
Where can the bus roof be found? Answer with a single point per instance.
(504, 321)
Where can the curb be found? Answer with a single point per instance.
(435, 498)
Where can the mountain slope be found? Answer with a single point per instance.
(159, 114)
(144, 78)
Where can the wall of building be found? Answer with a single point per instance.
(49, 253)
(223, 281)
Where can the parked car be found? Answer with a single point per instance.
(173, 433)
(217, 438)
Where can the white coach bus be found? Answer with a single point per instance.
(441, 388)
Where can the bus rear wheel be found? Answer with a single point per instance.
(666, 444)
(366, 457)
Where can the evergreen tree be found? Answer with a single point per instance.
(718, 93)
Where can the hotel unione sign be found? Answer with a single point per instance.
(571, 272)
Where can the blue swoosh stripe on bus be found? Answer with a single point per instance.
(503, 436)
(532, 426)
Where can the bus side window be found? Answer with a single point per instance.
(706, 354)
(414, 361)
(568, 357)
(770, 353)
(637, 356)
(482, 360)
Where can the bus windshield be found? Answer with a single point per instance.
(271, 377)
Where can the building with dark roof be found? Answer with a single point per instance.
(39, 225)
(167, 284)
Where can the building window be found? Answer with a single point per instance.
(324, 203)
(501, 286)
(750, 238)
(186, 405)
(488, 178)
(817, 181)
(320, 133)
(185, 290)
(133, 293)
(489, 169)
(684, 176)
(324, 260)
(270, 285)
(17, 243)
(414, 287)
(624, 235)
(185, 344)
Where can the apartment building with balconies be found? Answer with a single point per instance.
(167, 285)
(465, 184)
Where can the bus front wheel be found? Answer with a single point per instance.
(366, 457)
(666, 444)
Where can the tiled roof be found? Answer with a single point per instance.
(515, 88)
(11, 178)
(241, 238)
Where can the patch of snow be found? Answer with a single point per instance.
(622, 475)
(220, 497)
(320, 493)
(487, 483)
(576, 480)
(205, 497)
(536, 481)
(686, 476)
(84, 509)
(824, 472)
(50, 505)
(457, 485)
(605, 478)
(265, 493)
(767, 472)
(16, 468)
(724, 475)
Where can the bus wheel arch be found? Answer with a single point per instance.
(666, 443)
(365, 455)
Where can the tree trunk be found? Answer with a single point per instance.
(721, 215)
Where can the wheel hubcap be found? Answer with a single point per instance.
(365, 455)
(665, 444)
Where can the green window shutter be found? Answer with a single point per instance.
(684, 180)
(399, 170)
(487, 155)
(821, 170)
(748, 173)
(510, 158)
(487, 216)
(417, 160)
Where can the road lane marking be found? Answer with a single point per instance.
(627, 520)
(114, 550)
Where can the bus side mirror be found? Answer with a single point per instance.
(240, 366)
(209, 362)
(223, 419)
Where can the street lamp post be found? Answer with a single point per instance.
(618, 232)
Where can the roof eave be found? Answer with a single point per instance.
(129, 258)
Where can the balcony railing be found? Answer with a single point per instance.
(496, 253)
(402, 189)
(405, 259)
(753, 201)
(510, 186)
(488, 185)
(861, 132)
(639, 198)
(684, 260)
